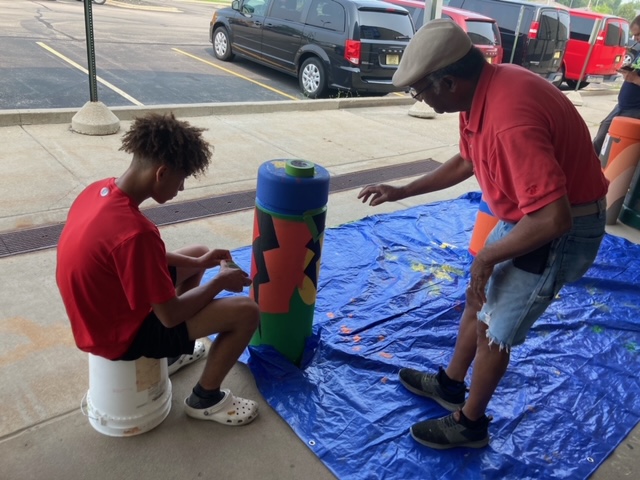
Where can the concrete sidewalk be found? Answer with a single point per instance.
(43, 434)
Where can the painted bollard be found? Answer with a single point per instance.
(288, 230)
(619, 157)
(485, 221)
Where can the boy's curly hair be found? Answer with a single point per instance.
(163, 140)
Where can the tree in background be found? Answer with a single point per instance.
(627, 10)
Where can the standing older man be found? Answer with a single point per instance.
(532, 155)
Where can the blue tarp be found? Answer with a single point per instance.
(390, 295)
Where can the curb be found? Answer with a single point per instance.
(10, 118)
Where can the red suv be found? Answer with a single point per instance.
(483, 31)
(608, 50)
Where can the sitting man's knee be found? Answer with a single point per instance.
(249, 311)
(199, 250)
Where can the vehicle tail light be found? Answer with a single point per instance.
(533, 30)
(352, 51)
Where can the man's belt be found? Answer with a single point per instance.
(591, 208)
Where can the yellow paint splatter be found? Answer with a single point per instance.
(385, 355)
(357, 338)
(418, 267)
(331, 315)
(279, 163)
(344, 329)
(446, 245)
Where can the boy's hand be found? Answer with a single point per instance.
(213, 258)
(234, 278)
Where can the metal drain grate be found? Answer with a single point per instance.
(24, 241)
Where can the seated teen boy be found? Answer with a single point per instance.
(127, 297)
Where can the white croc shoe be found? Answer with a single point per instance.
(231, 410)
(199, 351)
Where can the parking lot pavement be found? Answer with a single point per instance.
(43, 434)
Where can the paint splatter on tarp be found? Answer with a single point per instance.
(391, 291)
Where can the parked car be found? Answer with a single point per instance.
(533, 35)
(482, 30)
(607, 52)
(349, 45)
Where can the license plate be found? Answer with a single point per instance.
(557, 55)
(393, 59)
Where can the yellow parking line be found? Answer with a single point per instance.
(235, 74)
(142, 7)
(82, 69)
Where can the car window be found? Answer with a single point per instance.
(326, 14)
(554, 25)
(481, 33)
(378, 25)
(255, 7)
(287, 10)
(548, 25)
(504, 13)
(564, 23)
(418, 15)
(615, 35)
(581, 28)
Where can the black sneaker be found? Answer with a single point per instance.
(447, 432)
(430, 385)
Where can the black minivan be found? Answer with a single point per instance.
(540, 32)
(347, 45)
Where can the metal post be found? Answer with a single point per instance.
(432, 10)
(592, 42)
(91, 52)
(515, 38)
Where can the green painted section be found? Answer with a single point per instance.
(287, 332)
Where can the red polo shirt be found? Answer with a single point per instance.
(528, 144)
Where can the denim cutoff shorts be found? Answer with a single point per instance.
(517, 298)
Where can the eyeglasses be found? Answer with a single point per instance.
(415, 94)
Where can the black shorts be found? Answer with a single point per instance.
(154, 340)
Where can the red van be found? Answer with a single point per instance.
(482, 30)
(608, 50)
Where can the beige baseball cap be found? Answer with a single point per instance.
(437, 44)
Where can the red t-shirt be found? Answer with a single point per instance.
(528, 144)
(112, 266)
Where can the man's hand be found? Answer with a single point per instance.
(213, 258)
(232, 277)
(630, 76)
(480, 273)
(379, 194)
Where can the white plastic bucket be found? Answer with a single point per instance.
(127, 398)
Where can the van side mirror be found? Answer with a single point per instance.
(235, 5)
